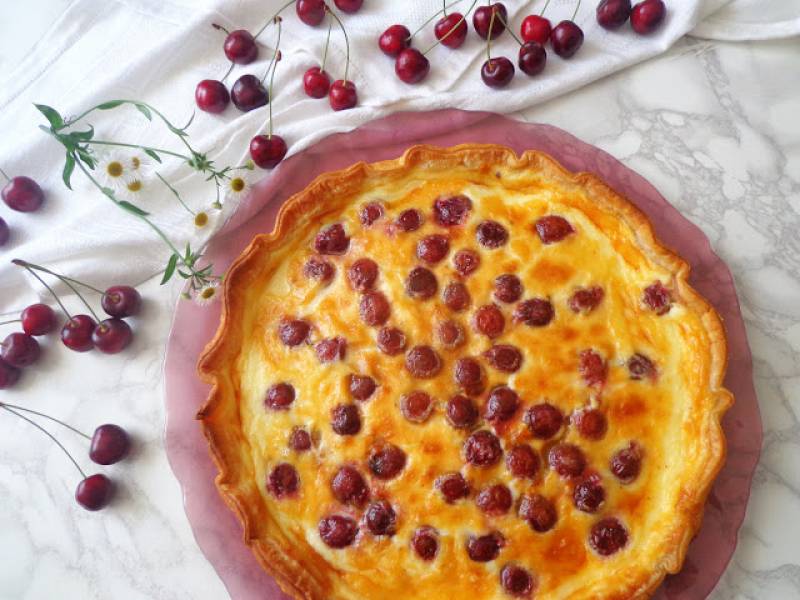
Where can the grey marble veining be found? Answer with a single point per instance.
(714, 127)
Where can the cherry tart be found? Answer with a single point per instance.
(464, 373)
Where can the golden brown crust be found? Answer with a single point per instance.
(222, 426)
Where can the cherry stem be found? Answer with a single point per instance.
(6, 177)
(274, 56)
(489, 38)
(228, 72)
(64, 277)
(272, 18)
(220, 27)
(274, 65)
(444, 8)
(503, 21)
(575, 14)
(346, 41)
(22, 263)
(327, 44)
(544, 8)
(48, 434)
(11, 321)
(436, 14)
(66, 280)
(34, 412)
(452, 30)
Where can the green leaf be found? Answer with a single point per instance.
(170, 270)
(184, 274)
(69, 167)
(132, 208)
(83, 136)
(152, 155)
(145, 111)
(109, 105)
(51, 114)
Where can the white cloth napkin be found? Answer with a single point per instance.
(157, 51)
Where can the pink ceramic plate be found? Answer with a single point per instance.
(217, 531)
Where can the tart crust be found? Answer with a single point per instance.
(298, 566)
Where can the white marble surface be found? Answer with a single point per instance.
(714, 126)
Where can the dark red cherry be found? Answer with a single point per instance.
(77, 333)
(516, 581)
(532, 58)
(22, 194)
(94, 492)
(370, 212)
(337, 531)
(8, 375)
(411, 66)
(211, 96)
(381, 518)
(20, 350)
(110, 444)
(608, 536)
(311, 12)
(121, 301)
(647, 16)
(612, 14)
(566, 38)
(349, 486)
(283, 481)
(248, 93)
(348, 6)
(535, 28)
(539, 512)
(394, 40)
(485, 547)
(425, 542)
(452, 486)
(497, 72)
(316, 82)
(267, 151)
(482, 19)
(112, 336)
(240, 47)
(38, 319)
(280, 396)
(451, 30)
(5, 233)
(342, 95)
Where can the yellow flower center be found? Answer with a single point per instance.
(208, 293)
(114, 169)
(237, 184)
(136, 162)
(134, 186)
(201, 219)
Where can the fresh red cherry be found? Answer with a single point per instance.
(249, 93)
(211, 96)
(612, 14)
(23, 194)
(8, 375)
(94, 492)
(110, 444)
(316, 82)
(454, 22)
(497, 72)
(267, 151)
(121, 301)
(348, 6)
(311, 12)
(77, 333)
(566, 39)
(482, 18)
(5, 233)
(240, 47)
(394, 40)
(532, 58)
(535, 28)
(20, 350)
(411, 66)
(112, 336)
(38, 319)
(647, 16)
(342, 95)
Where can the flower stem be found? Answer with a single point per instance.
(346, 42)
(48, 434)
(453, 29)
(124, 145)
(436, 14)
(272, 18)
(575, 13)
(175, 192)
(34, 412)
(22, 263)
(327, 44)
(544, 8)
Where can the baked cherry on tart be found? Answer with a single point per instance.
(464, 373)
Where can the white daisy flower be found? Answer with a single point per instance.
(239, 185)
(141, 167)
(114, 170)
(132, 189)
(208, 293)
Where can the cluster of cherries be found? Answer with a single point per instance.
(249, 92)
(109, 444)
(490, 21)
(80, 333)
(21, 194)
